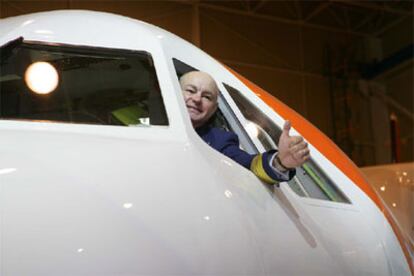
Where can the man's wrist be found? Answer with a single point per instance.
(278, 164)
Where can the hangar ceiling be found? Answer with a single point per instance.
(357, 17)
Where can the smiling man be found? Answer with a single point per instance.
(201, 95)
(201, 98)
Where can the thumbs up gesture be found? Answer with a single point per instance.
(293, 150)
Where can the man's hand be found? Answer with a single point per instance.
(293, 150)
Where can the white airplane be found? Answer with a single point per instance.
(102, 173)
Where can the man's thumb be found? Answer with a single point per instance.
(286, 128)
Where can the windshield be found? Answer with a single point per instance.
(63, 83)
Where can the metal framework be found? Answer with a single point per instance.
(344, 16)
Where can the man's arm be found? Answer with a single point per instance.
(262, 165)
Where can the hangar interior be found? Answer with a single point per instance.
(346, 66)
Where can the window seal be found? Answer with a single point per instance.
(102, 50)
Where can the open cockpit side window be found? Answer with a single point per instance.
(310, 180)
(225, 117)
(77, 84)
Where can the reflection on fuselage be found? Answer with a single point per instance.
(395, 184)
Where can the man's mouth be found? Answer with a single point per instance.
(193, 109)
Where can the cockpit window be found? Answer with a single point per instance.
(74, 84)
(310, 180)
(224, 117)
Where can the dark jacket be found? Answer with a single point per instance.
(228, 144)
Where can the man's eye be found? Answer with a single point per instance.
(207, 97)
(190, 91)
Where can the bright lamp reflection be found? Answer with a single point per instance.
(228, 194)
(252, 130)
(128, 205)
(41, 77)
(7, 170)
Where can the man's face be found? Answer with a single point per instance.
(200, 94)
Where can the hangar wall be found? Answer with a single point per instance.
(399, 83)
(289, 60)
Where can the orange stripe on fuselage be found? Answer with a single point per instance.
(329, 150)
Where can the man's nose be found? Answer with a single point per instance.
(196, 97)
